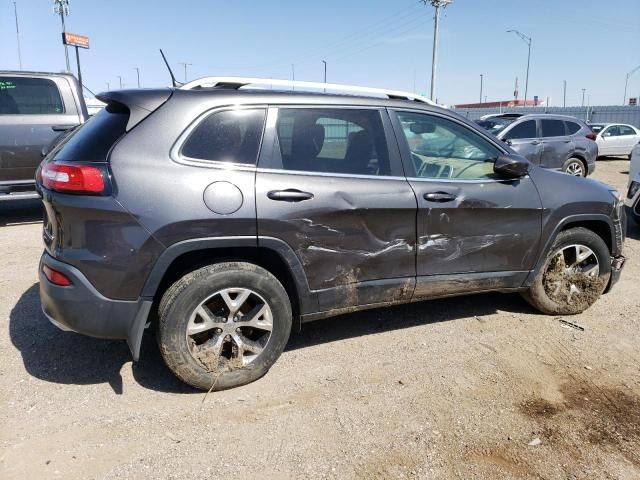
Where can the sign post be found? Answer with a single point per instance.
(77, 41)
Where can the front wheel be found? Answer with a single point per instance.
(574, 275)
(575, 167)
(223, 325)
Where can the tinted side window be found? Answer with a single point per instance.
(572, 127)
(93, 140)
(29, 96)
(333, 141)
(441, 148)
(624, 130)
(522, 130)
(611, 132)
(231, 136)
(552, 128)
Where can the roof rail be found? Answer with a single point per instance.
(239, 82)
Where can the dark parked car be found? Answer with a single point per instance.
(35, 110)
(224, 217)
(551, 141)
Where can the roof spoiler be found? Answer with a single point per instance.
(141, 103)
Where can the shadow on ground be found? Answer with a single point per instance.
(20, 211)
(52, 355)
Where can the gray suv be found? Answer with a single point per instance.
(224, 217)
(551, 141)
(35, 110)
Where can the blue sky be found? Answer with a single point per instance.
(588, 43)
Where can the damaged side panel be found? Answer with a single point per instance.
(488, 226)
(352, 234)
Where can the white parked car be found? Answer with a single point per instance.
(615, 138)
(632, 201)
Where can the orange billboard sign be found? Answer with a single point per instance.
(75, 40)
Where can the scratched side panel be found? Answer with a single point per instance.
(353, 230)
(491, 226)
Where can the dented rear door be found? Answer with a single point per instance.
(475, 231)
(351, 225)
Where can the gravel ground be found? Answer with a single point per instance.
(472, 387)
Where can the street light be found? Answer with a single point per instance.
(626, 83)
(526, 40)
(481, 89)
(61, 7)
(137, 69)
(437, 4)
(120, 79)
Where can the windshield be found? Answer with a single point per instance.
(495, 125)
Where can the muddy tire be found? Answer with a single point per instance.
(223, 325)
(575, 167)
(574, 275)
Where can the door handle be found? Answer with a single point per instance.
(62, 128)
(439, 197)
(289, 195)
(535, 142)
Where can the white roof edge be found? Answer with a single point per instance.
(268, 82)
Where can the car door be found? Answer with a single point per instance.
(557, 146)
(33, 112)
(475, 231)
(609, 143)
(330, 186)
(628, 139)
(522, 137)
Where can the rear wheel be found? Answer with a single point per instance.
(574, 275)
(575, 167)
(224, 325)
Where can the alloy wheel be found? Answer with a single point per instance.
(576, 169)
(229, 329)
(572, 273)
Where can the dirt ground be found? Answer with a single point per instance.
(470, 387)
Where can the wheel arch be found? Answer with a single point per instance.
(601, 225)
(271, 254)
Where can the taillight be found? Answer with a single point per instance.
(591, 136)
(64, 177)
(56, 277)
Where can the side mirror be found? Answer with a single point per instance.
(606, 134)
(511, 166)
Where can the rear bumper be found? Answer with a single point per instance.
(82, 309)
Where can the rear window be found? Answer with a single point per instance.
(572, 127)
(228, 136)
(29, 96)
(93, 140)
(552, 128)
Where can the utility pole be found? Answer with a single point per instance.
(120, 79)
(526, 40)
(185, 65)
(108, 87)
(564, 93)
(325, 70)
(61, 7)
(626, 83)
(437, 4)
(481, 89)
(137, 69)
(15, 11)
(583, 90)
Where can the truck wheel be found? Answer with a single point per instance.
(575, 167)
(223, 325)
(574, 275)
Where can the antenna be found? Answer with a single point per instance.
(174, 82)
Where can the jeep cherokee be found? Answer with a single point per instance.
(224, 215)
